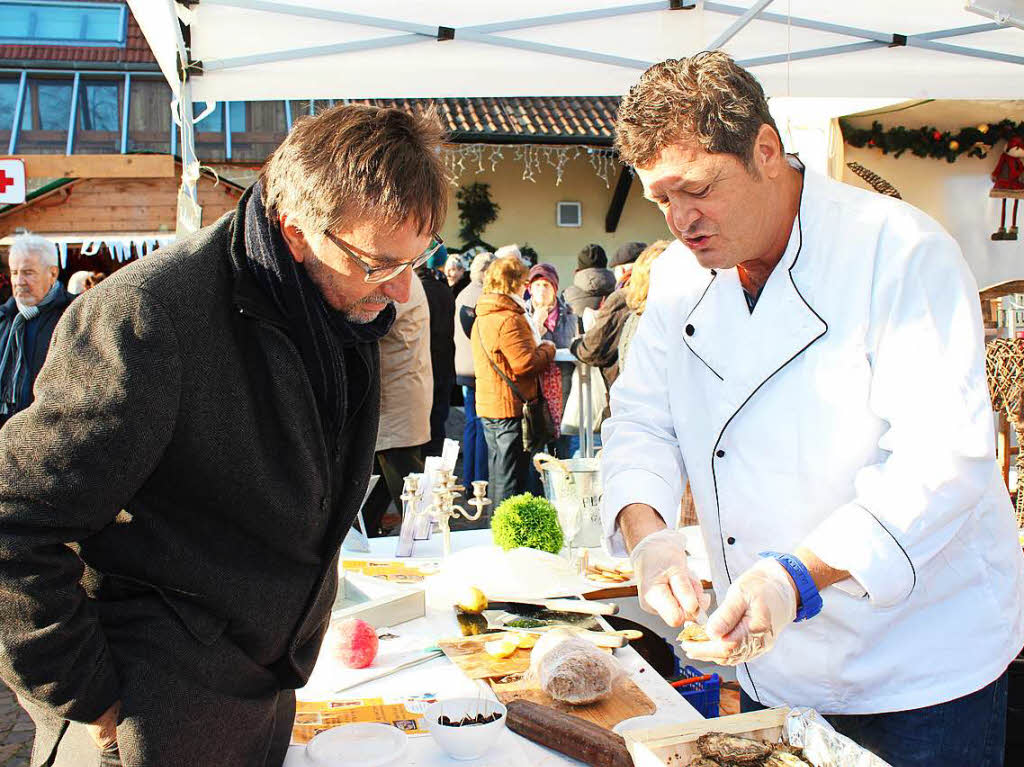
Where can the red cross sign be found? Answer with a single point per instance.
(12, 181)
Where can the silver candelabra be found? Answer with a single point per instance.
(442, 508)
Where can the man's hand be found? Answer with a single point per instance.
(664, 583)
(757, 607)
(104, 730)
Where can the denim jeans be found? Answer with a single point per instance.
(474, 447)
(507, 461)
(967, 731)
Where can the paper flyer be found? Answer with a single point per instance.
(314, 717)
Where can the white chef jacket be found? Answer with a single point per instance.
(848, 413)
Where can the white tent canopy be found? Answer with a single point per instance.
(300, 49)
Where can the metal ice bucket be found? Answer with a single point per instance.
(574, 488)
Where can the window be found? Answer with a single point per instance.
(236, 111)
(36, 22)
(569, 214)
(149, 115)
(98, 127)
(209, 132)
(45, 116)
(8, 101)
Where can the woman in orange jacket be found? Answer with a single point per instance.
(503, 336)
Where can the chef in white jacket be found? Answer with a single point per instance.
(812, 360)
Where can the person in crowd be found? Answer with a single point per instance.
(81, 281)
(455, 271)
(636, 297)
(553, 321)
(504, 347)
(592, 282)
(474, 447)
(441, 303)
(203, 433)
(406, 398)
(76, 282)
(811, 359)
(28, 319)
(511, 250)
(600, 345)
(623, 260)
(94, 279)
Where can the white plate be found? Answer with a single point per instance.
(648, 722)
(366, 744)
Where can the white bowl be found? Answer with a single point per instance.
(470, 742)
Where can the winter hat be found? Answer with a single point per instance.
(627, 254)
(545, 272)
(439, 258)
(592, 256)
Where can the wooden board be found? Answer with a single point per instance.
(97, 165)
(626, 701)
(675, 745)
(469, 655)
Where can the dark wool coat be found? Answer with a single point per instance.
(43, 332)
(175, 442)
(599, 346)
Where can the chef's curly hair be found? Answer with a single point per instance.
(707, 98)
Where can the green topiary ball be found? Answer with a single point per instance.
(526, 520)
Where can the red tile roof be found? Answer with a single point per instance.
(576, 119)
(135, 51)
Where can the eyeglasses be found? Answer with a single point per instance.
(377, 274)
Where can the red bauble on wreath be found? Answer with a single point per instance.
(1008, 184)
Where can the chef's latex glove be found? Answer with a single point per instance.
(664, 582)
(757, 607)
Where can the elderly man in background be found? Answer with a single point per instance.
(203, 431)
(407, 388)
(27, 319)
(811, 358)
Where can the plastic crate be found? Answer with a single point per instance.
(702, 691)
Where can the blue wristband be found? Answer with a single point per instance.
(810, 597)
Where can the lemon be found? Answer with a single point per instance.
(500, 648)
(526, 641)
(472, 600)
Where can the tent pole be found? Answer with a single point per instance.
(737, 25)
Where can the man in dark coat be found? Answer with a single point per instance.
(591, 282)
(27, 319)
(441, 302)
(202, 437)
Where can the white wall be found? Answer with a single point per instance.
(955, 194)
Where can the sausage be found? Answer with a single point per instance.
(575, 737)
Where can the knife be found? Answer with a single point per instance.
(579, 606)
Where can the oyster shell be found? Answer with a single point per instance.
(732, 748)
(693, 632)
(780, 758)
(702, 761)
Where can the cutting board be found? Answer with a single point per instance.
(469, 655)
(626, 701)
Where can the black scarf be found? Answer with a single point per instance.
(321, 333)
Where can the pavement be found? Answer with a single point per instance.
(16, 731)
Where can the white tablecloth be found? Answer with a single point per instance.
(442, 678)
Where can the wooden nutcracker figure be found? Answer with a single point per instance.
(1009, 185)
